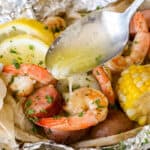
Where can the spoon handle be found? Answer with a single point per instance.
(133, 7)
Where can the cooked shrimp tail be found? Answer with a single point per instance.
(105, 83)
(33, 71)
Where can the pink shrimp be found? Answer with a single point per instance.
(24, 77)
(86, 107)
(139, 48)
(33, 71)
(105, 83)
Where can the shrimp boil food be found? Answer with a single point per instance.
(110, 99)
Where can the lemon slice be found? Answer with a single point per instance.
(23, 49)
(28, 26)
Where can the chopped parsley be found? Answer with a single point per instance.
(145, 141)
(34, 129)
(16, 64)
(136, 42)
(30, 111)
(31, 47)
(97, 102)
(80, 114)
(1, 56)
(14, 28)
(49, 99)
(19, 58)
(98, 7)
(66, 100)
(13, 51)
(28, 103)
(87, 79)
(74, 87)
(98, 59)
(34, 119)
(41, 62)
(122, 146)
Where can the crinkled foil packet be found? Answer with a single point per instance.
(73, 9)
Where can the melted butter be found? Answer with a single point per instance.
(79, 50)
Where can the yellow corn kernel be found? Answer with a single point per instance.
(133, 84)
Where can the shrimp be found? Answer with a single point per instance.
(146, 14)
(24, 78)
(138, 23)
(56, 24)
(86, 107)
(105, 83)
(139, 48)
(134, 27)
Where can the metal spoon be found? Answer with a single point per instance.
(90, 41)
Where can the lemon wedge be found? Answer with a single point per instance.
(26, 26)
(23, 49)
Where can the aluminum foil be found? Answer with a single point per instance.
(40, 9)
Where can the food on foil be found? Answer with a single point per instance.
(133, 88)
(101, 107)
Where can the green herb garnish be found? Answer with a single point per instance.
(40, 62)
(31, 47)
(13, 51)
(97, 102)
(14, 28)
(28, 103)
(34, 119)
(136, 42)
(98, 59)
(16, 64)
(34, 129)
(1, 56)
(80, 114)
(87, 79)
(74, 87)
(30, 111)
(49, 99)
(98, 7)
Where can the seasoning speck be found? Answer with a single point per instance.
(28, 103)
(31, 47)
(49, 99)
(80, 114)
(16, 64)
(30, 111)
(13, 51)
(14, 28)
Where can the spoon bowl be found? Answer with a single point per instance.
(89, 42)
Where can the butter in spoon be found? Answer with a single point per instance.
(90, 41)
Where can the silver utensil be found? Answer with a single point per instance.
(90, 41)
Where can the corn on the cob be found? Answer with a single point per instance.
(133, 91)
